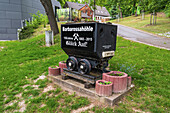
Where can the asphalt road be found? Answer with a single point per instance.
(143, 37)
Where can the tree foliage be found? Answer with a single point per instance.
(62, 2)
(127, 7)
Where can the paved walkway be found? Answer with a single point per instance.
(4, 40)
(143, 37)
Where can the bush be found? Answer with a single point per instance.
(89, 19)
(26, 32)
(38, 19)
(35, 24)
(167, 11)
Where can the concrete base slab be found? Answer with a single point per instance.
(77, 86)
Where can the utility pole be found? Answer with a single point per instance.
(94, 9)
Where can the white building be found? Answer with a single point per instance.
(101, 14)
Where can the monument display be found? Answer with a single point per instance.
(89, 47)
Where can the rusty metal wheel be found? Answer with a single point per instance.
(72, 63)
(84, 66)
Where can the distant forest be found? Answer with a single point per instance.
(128, 7)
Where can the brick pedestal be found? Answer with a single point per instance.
(119, 82)
(54, 71)
(103, 90)
(62, 65)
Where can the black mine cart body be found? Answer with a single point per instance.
(89, 47)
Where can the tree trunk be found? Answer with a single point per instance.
(151, 19)
(118, 17)
(120, 12)
(142, 15)
(155, 18)
(136, 14)
(89, 2)
(134, 4)
(50, 13)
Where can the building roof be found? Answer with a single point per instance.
(101, 11)
(75, 5)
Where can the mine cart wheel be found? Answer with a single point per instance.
(87, 85)
(64, 77)
(72, 63)
(105, 64)
(84, 66)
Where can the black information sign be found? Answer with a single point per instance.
(78, 36)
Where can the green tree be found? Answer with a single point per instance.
(156, 5)
(127, 7)
(62, 2)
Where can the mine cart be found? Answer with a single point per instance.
(89, 47)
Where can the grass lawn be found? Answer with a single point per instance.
(24, 62)
(163, 23)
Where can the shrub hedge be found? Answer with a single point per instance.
(38, 19)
